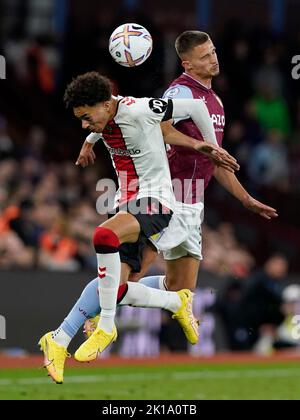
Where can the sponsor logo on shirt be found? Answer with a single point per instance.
(123, 152)
(158, 105)
(218, 119)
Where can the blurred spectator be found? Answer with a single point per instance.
(223, 254)
(260, 310)
(268, 79)
(253, 129)
(235, 138)
(40, 75)
(271, 108)
(268, 163)
(250, 310)
(13, 253)
(35, 144)
(228, 307)
(294, 152)
(83, 219)
(58, 249)
(25, 225)
(6, 143)
(240, 68)
(284, 337)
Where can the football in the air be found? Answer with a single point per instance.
(130, 45)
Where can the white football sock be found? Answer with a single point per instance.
(157, 282)
(109, 268)
(146, 297)
(61, 337)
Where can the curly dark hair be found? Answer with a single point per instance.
(87, 89)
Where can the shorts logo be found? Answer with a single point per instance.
(157, 236)
(158, 105)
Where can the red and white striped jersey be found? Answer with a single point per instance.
(135, 142)
(136, 146)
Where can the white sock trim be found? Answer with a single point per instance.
(163, 283)
(61, 337)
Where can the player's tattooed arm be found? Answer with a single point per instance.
(219, 156)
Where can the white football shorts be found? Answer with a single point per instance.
(183, 236)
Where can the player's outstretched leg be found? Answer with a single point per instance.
(97, 339)
(54, 357)
(179, 303)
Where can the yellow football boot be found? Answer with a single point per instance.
(54, 357)
(186, 318)
(97, 343)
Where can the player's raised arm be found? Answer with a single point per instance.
(156, 110)
(198, 112)
(218, 155)
(87, 155)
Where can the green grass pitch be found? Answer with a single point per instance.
(192, 382)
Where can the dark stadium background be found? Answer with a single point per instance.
(47, 205)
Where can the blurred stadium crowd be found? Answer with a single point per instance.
(44, 199)
(47, 204)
